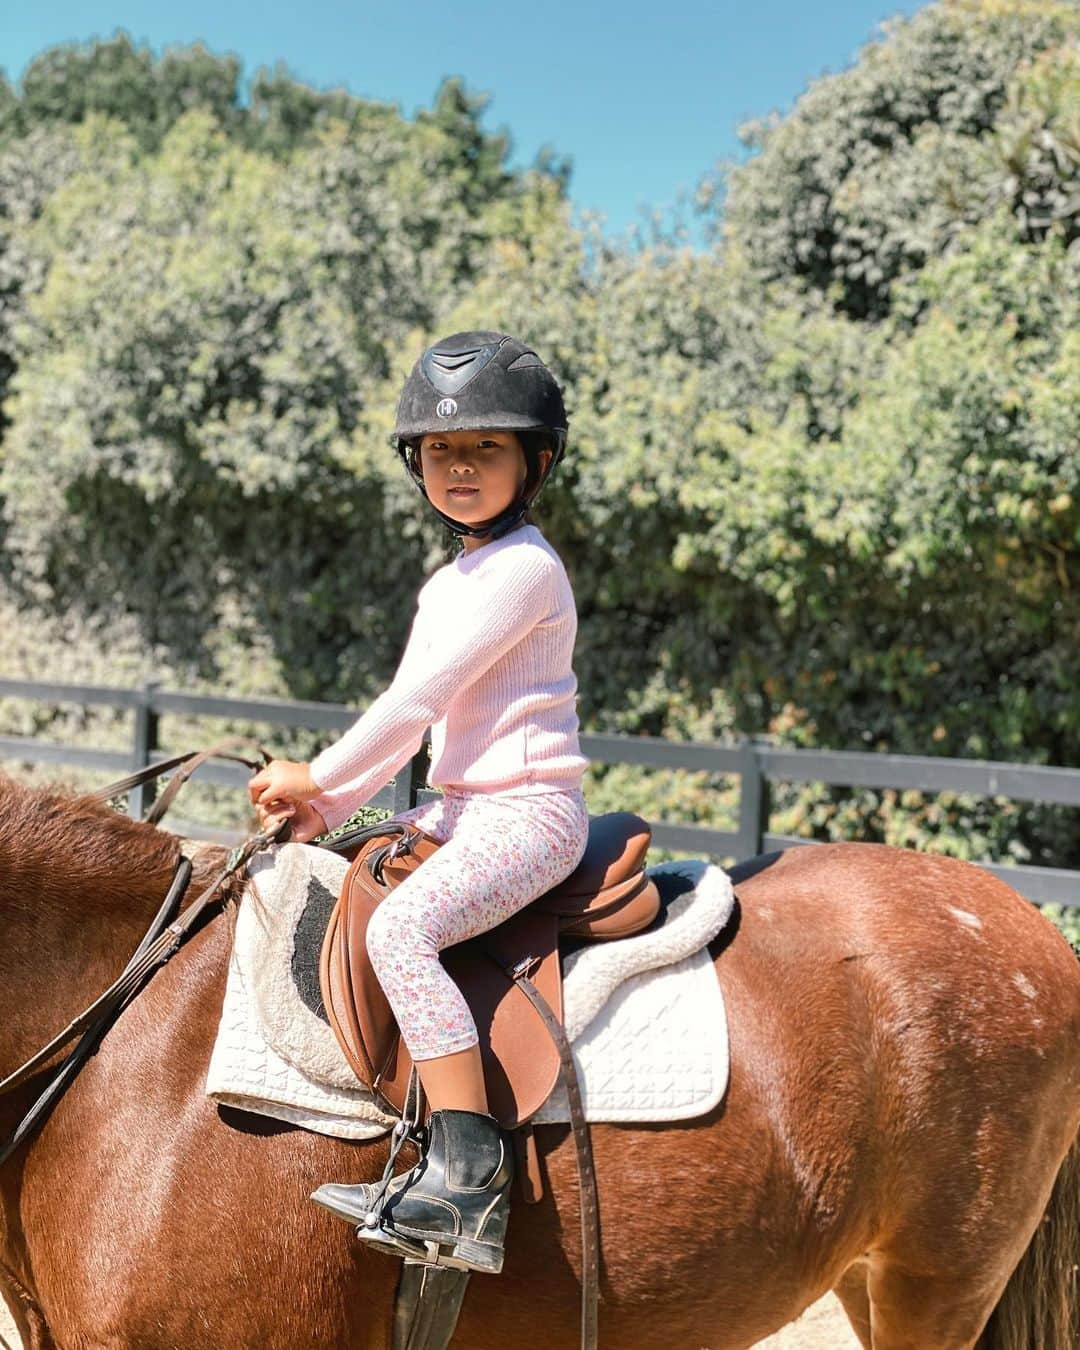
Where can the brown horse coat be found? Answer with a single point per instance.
(905, 1085)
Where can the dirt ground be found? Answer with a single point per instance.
(822, 1327)
(7, 1328)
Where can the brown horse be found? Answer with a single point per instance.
(905, 1088)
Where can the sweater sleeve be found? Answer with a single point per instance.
(504, 602)
(336, 805)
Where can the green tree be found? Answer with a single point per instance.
(863, 181)
(822, 479)
(191, 369)
(72, 82)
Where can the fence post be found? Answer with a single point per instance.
(411, 778)
(754, 804)
(141, 797)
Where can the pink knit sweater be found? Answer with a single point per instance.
(488, 667)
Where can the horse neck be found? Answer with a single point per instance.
(69, 922)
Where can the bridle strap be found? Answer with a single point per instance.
(186, 764)
(177, 781)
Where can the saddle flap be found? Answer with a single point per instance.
(336, 987)
(521, 1062)
(356, 1006)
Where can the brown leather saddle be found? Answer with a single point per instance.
(608, 896)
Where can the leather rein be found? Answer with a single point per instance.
(166, 932)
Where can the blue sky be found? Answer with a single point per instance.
(644, 97)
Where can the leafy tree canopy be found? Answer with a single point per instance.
(822, 483)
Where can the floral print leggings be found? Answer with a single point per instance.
(498, 854)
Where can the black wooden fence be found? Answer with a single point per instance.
(757, 764)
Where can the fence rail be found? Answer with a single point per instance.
(757, 765)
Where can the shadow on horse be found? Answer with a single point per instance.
(900, 1126)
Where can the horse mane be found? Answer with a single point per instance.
(53, 841)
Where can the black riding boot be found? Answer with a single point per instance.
(451, 1209)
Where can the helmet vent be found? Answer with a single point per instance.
(450, 372)
(526, 361)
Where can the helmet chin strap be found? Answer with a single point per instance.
(495, 529)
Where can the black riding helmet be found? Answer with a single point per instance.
(483, 381)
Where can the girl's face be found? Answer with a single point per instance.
(473, 476)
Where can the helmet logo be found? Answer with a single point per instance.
(446, 407)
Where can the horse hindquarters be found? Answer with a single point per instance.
(943, 1143)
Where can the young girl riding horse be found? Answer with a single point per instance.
(480, 426)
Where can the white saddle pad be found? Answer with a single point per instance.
(645, 1014)
(273, 1053)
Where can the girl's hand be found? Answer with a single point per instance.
(306, 822)
(283, 780)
